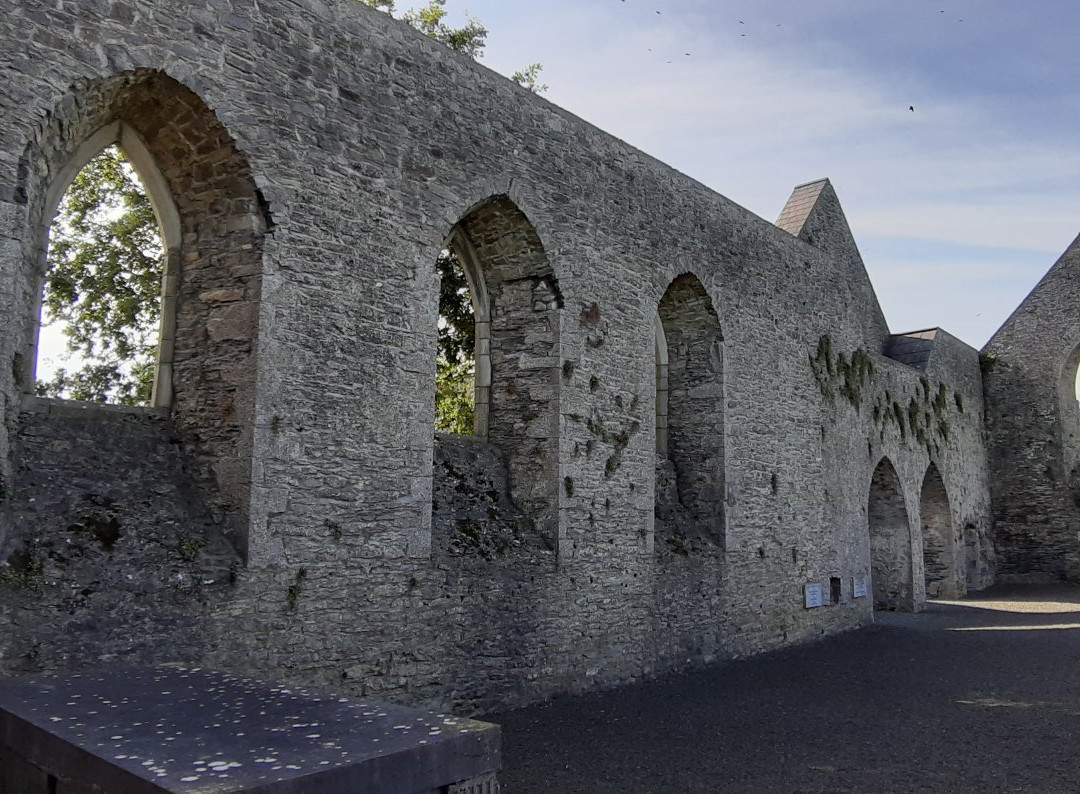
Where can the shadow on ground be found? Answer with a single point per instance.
(980, 695)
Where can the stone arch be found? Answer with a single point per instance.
(690, 469)
(213, 221)
(938, 538)
(516, 303)
(890, 540)
(123, 136)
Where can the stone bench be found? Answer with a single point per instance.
(185, 730)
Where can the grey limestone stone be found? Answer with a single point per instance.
(319, 156)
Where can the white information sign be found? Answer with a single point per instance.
(815, 596)
(859, 586)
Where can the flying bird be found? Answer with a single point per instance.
(911, 108)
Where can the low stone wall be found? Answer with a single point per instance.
(109, 554)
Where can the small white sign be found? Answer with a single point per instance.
(815, 596)
(859, 586)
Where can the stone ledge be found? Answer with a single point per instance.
(76, 409)
(193, 730)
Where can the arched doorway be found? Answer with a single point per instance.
(938, 540)
(1069, 421)
(890, 541)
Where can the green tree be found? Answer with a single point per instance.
(455, 364)
(457, 331)
(103, 283)
(469, 39)
(454, 409)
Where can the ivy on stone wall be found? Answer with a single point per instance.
(845, 375)
(924, 420)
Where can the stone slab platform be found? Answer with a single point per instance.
(194, 730)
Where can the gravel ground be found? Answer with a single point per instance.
(979, 695)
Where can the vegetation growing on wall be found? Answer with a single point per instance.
(469, 39)
(923, 420)
(845, 375)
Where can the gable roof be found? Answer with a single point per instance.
(797, 210)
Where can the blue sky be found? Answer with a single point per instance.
(958, 208)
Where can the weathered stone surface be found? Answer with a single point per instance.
(319, 156)
(473, 514)
(110, 554)
(1033, 424)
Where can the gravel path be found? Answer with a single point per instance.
(980, 695)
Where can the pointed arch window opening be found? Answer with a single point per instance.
(146, 173)
(661, 349)
(464, 256)
(690, 422)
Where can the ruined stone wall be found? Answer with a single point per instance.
(214, 263)
(1033, 424)
(368, 144)
(111, 554)
(961, 461)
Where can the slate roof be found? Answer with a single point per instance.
(798, 207)
(912, 348)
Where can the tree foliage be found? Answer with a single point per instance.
(456, 365)
(454, 410)
(469, 39)
(457, 330)
(103, 283)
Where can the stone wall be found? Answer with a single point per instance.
(112, 556)
(213, 263)
(334, 152)
(1033, 424)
